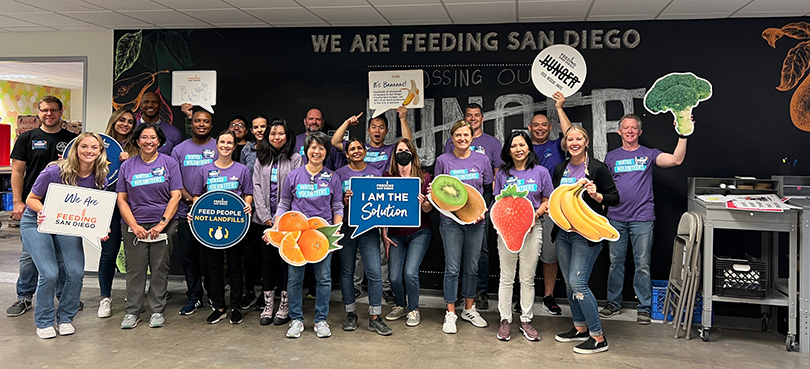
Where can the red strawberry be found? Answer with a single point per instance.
(513, 217)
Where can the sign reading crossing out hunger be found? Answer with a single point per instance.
(218, 219)
(78, 211)
(383, 202)
(559, 68)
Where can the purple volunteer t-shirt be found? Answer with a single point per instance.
(235, 178)
(312, 195)
(335, 160)
(536, 180)
(191, 157)
(51, 175)
(573, 173)
(474, 170)
(632, 171)
(550, 154)
(484, 144)
(173, 136)
(377, 157)
(346, 173)
(148, 186)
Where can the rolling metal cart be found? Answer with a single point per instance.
(780, 292)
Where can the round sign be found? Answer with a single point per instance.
(218, 219)
(559, 68)
(113, 149)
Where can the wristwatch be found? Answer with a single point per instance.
(163, 219)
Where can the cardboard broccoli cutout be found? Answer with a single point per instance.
(678, 93)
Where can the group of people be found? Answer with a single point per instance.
(160, 178)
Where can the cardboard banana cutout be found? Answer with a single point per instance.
(570, 212)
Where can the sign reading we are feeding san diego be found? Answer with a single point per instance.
(218, 219)
(383, 202)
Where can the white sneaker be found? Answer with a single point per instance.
(414, 317)
(449, 325)
(105, 308)
(46, 333)
(322, 329)
(66, 329)
(473, 317)
(296, 327)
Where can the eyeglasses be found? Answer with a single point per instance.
(53, 111)
(239, 125)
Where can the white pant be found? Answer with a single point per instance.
(528, 256)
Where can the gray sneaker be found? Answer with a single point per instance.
(130, 321)
(609, 311)
(19, 307)
(157, 320)
(414, 317)
(473, 316)
(322, 329)
(643, 318)
(379, 326)
(296, 327)
(396, 313)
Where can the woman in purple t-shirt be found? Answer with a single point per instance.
(148, 194)
(85, 166)
(462, 243)
(367, 244)
(224, 174)
(406, 247)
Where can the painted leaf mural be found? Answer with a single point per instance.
(127, 50)
(177, 45)
(794, 70)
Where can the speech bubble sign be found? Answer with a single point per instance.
(559, 68)
(195, 87)
(383, 202)
(78, 211)
(394, 88)
(218, 219)
(113, 149)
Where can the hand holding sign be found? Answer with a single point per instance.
(383, 202)
(195, 87)
(394, 88)
(77, 211)
(559, 68)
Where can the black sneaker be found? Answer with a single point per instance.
(481, 301)
(81, 305)
(19, 307)
(377, 325)
(609, 311)
(236, 316)
(216, 316)
(550, 305)
(357, 293)
(249, 300)
(643, 318)
(572, 336)
(351, 322)
(591, 347)
(190, 307)
(388, 297)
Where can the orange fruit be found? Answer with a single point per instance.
(314, 245)
(293, 221)
(317, 222)
(276, 237)
(290, 251)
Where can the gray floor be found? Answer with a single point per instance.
(187, 342)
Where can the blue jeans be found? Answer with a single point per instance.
(576, 258)
(46, 250)
(482, 285)
(27, 280)
(368, 244)
(640, 235)
(109, 254)
(295, 289)
(407, 254)
(462, 246)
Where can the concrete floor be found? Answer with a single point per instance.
(187, 342)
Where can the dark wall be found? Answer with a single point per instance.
(744, 129)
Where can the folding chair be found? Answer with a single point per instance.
(685, 265)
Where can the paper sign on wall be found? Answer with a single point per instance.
(195, 87)
(559, 68)
(78, 211)
(383, 202)
(394, 88)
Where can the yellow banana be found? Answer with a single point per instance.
(596, 220)
(408, 99)
(554, 209)
(578, 221)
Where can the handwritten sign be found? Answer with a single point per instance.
(218, 219)
(78, 211)
(113, 149)
(196, 88)
(394, 88)
(559, 68)
(383, 202)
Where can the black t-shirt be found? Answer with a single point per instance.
(237, 153)
(38, 148)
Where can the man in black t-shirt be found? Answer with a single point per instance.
(32, 152)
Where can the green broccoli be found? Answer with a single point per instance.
(678, 93)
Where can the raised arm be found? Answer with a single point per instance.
(337, 138)
(665, 160)
(403, 123)
(559, 100)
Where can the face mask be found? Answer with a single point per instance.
(403, 158)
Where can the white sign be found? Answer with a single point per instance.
(78, 211)
(195, 87)
(394, 88)
(559, 68)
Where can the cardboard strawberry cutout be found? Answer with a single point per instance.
(513, 217)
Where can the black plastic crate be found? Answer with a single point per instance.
(740, 278)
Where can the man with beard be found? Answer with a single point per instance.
(150, 113)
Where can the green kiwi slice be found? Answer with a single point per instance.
(448, 192)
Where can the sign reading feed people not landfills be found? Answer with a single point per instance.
(394, 88)
(383, 202)
(218, 219)
(78, 211)
(559, 68)
(196, 88)
(113, 149)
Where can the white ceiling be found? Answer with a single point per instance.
(54, 74)
(75, 15)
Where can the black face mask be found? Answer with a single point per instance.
(403, 158)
